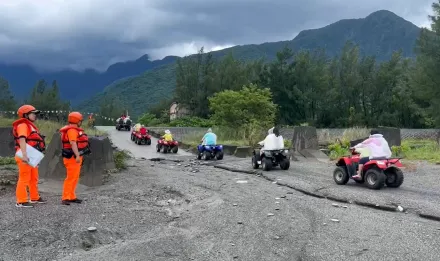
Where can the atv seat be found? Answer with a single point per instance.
(380, 158)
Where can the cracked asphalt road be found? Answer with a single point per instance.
(418, 193)
(190, 211)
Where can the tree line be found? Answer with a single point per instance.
(309, 87)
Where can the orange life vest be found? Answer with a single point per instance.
(82, 142)
(34, 138)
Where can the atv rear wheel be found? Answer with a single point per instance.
(374, 178)
(175, 149)
(266, 164)
(206, 155)
(285, 164)
(149, 142)
(394, 177)
(340, 175)
(219, 155)
(255, 164)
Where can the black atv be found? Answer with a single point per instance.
(123, 126)
(270, 159)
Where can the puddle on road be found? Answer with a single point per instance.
(242, 181)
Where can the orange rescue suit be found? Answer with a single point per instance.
(72, 133)
(27, 175)
(33, 137)
(82, 141)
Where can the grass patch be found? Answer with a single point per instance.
(411, 149)
(415, 149)
(48, 128)
(7, 161)
(121, 158)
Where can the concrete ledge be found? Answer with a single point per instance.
(243, 152)
(6, 142)
(229, 149)
(94, 165)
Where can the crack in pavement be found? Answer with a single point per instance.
(329, 197)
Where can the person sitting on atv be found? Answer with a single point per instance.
(168, 136)
(137, 127)
(123, 116)
(209, 138)
(143, 130)
(273, 141)
(378, 148)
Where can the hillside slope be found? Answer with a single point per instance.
(22, 78)
(380, 34)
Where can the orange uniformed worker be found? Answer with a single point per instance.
(25, 132)
(75, 144)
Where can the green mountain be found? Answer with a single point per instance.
(379, 34)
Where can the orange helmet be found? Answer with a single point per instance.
(26, 109)
(74, 117)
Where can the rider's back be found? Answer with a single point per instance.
(210, 139)
(272, 142)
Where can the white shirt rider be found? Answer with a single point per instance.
(272, 142)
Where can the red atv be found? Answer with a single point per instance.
(375, 173)
(167, 146)
(141, 139)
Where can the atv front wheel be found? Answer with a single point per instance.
(255, 164)
(219, 155)
(266, 164)
(394, 177)
(175, 149)
(285, 164)
(340, 175)
(148, 142)
(375, 179)
(158, 148)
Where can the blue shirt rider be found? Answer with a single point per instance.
(209, 138)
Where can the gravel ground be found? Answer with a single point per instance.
(190, 211)
(172, 212)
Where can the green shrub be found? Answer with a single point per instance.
(121, 158)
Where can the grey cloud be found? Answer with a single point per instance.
(97, 33)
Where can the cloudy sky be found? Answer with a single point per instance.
(78, 34)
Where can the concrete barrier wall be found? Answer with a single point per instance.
(323, 134)
(7, 143)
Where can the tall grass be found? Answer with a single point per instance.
(48, 128)
(411, 149)
(415, 149)
(228, 136)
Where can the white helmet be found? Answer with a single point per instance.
(209, 130)
(167, 131)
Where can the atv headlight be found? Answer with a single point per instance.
(267, 153)
(286, 151)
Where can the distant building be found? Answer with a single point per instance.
(177, 111)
